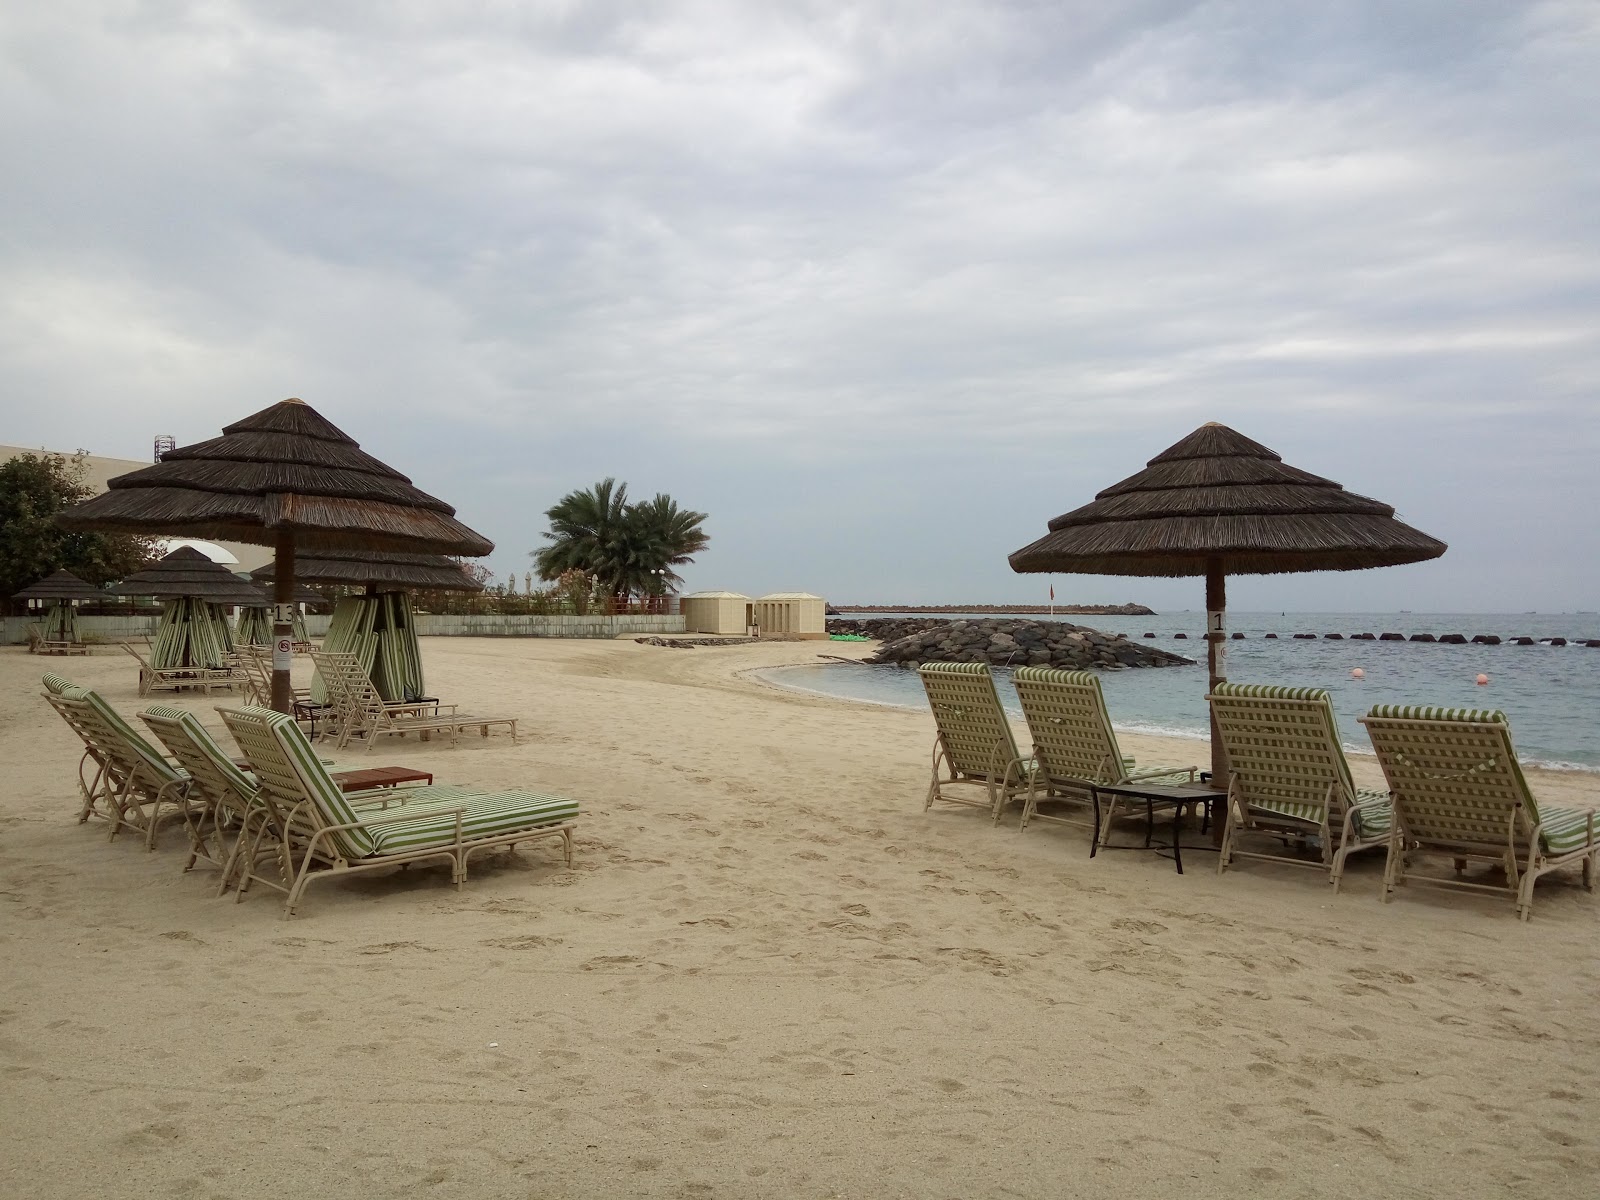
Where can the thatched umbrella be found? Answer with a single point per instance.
(193, 631)
(380, 628)
(284, 477)
(59, 591)
(1218, 504)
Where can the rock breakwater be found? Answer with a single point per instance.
(1005, 643)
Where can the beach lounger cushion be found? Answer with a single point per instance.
(974, 740)
(482, 816)
(156, 763)
(56, 683)
(1086, 741)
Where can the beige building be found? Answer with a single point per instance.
(100, 469)
(792, 614)
(715, 612)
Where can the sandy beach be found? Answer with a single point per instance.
(769, 974)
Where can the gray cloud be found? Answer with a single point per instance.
(882, 287)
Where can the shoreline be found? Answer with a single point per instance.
(1155, 735)
(768, 972)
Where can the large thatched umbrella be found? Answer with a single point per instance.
(379, 628)
(284, 477)
(1218, 504)
(59, 591)
(193, 631)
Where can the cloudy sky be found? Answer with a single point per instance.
(882, 287)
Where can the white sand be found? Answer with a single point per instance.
(771, 974)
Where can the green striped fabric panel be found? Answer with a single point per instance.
(350, 631)
(255, 627)
(1262, 691)
(397, 666)
(319, 786)
(57, 683)
(60, 623)
(167, 649)
(483, 815)
(163, 770)
(1567, 829)
(243, 784)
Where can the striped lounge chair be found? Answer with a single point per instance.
(974, 744)
(1074, 744)
(1288, 778)
(1459, 793)
(343, 839)
(132, 782)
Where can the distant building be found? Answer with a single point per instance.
(100, 469)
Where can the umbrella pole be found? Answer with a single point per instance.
(1216, 631)
(282, 631)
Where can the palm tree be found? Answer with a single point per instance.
(630, 548)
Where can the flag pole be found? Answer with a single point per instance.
(1052, 597)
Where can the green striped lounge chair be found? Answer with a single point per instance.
(974, 746)
(134, 782)
(90, 783)
(1459, 793)
(343, 839)
(227, 802)
(1074, 744)
(1288, 778)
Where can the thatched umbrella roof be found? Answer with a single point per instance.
(1218, 504)
(285, 477)
(187, 572)
(63, 585)
(1218, 497)
(284, 469)
(386, 571)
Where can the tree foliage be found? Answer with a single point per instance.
(630, 549)
(33, 489)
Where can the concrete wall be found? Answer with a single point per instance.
(116, 629)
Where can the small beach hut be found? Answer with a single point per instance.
(285, 477)
(716, 612)
(59, 592)
(194, 629)
(1217, 504)
(379, 628)
(792, 614)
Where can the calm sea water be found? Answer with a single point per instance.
(1550, 693)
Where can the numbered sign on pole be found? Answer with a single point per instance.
(282, 654)
(1216, 633)
(283, 614)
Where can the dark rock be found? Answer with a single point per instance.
(1453, 639)
(1009, 643)
(1423, 637)
(1238, 637)
(1485, 639)
(1273, 636)
(1183, 637)
(1305, 637)
(1391, 637)
(1362, 637)
(1151, 635)
(1593, 643)
(1523, 641)
(1333, 637)
(1555, 641)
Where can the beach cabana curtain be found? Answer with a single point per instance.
(255, 626)
(192, 633)
(61, 622)
(381, 631)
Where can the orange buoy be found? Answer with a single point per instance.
(1357, 673)
(1482, 679)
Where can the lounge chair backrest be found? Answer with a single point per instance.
(192, 745)
(1453, 773)
(1283, 748)
(1072, 734)
(288, 768)
(114, 737)
(56, 684)
(972, 725)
